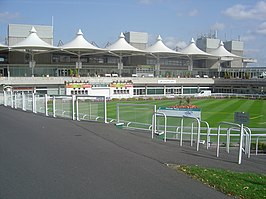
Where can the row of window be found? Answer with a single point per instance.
(79, 92)
(124, 91)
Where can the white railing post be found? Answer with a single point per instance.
(198, 138)
(77, 108)
(218, 141)
(12, 100)
(228, 134)
(257, 145)
(105, 110)
(33, 102)
(153, 125)
(46, 104)
(191, 135)
(73, 107)
(240, 144)
(117, 113)
(5, 100)
(15, 100)
(181, 131)
(53, 106)
(23, 102)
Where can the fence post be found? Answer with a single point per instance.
(181, 131)
(77, 109)
(33, 102)
(53, 106)
(191, 136)
(240, 143)
(46, 104)
(23, 101)
(5, 96)
(117, 113)
(198, 137)
(105, 110)
(12, 100)
(15, 99)
(73, 107)
(218, 141)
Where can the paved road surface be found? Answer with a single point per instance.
(47, 158)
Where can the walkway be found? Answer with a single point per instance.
(42, 157)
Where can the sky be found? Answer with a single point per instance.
(177, 21)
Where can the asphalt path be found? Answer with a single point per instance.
(51, 158)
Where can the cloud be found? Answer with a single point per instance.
(6, 16)
(146, 2)
(241, 12)
(248, 38)
(218, 26)
(261, 29)
(193, 13)
(174, 43)
(181, 45)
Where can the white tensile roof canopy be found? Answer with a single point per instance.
(33, 45)
(122, 47)
(159, 48)
(193, 52)
(32, 42)
(223, 55)
(192, 49)
(80, 44)
(3, 47)
(222, 52)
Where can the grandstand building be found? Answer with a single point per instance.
(54, 69)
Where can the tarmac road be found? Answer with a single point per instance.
(48, 158)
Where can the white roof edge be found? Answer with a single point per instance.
(160, 48)
(32, 41)
(80, 43)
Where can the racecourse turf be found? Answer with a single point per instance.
(212, 110)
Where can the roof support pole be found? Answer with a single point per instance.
(157, 67)
(32, 64)
(79, 64)
(120, 66)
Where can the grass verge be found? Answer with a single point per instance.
(236, 184)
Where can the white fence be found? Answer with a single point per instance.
(139, 116)
(91, 108)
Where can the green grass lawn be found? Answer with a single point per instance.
(212, 110)
(236, 184)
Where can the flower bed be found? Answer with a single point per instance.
(184, 106)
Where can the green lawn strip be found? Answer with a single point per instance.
(237, 184)
(213, 110)
(222, 112)
(262, 108)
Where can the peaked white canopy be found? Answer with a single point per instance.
(33, 45)
(193, 52)
(122, 49)
(79, 46)
(160, 48)
(222, 52)
(3, 47)
(121, 46)
(79, 43)
(192, 49)
(33, 42)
